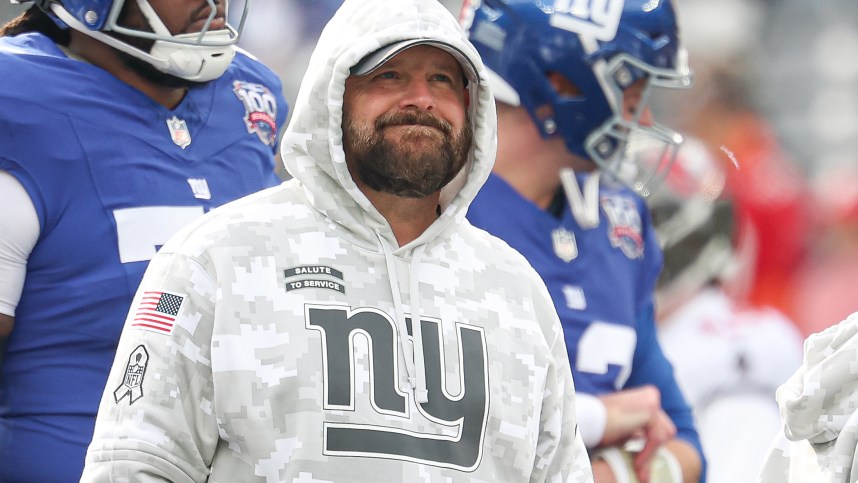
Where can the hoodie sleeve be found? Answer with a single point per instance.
(817, 406)
(561, 454)
(821, 396)
(156, 421)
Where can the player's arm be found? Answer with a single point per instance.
(635, 413)
(640, 443)
(651, 366)
(631, 416)
(6, 323)
(19, 230)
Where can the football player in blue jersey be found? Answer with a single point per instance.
(572, 81)
(121, 122)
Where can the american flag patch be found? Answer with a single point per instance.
(157, 311)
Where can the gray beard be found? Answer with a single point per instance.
(421, 164)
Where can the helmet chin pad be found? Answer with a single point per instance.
(196, 63)
(199, 57)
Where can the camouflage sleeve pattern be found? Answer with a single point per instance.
(562, 454)
(817, 405)
(156, 419)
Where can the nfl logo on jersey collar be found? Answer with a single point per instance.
(564, 243)
(179, 132)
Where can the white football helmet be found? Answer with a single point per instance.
(695, 221)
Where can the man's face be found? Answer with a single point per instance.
(405, 128)
(632, 100)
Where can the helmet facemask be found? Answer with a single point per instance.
(198, 57)
(618, 145)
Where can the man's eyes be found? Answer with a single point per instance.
(434, 77)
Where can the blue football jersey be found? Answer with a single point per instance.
(601, 280)
(112, 175)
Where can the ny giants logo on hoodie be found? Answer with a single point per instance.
(457, 422)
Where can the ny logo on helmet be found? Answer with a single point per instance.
(597, 19)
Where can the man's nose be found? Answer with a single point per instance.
(418, 93)
(643, 116)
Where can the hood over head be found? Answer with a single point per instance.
(376, 59)
(362, 35)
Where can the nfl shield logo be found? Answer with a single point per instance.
(565, 246)
(132, 383)
(179, 132)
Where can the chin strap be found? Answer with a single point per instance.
(186, 60)
(585, 206)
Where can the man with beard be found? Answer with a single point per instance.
(121, 122)
(350, 324)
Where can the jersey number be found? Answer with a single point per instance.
(460, 419)
(141, 231)
(603, 345)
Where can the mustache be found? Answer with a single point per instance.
(405, 118)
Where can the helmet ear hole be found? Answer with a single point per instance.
(563, 86)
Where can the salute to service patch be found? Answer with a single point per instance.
(314, 271)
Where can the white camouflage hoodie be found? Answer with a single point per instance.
(272, 341)
(819, 407)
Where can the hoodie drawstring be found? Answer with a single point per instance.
(420, 391)
(585, 207)
(412, 350)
